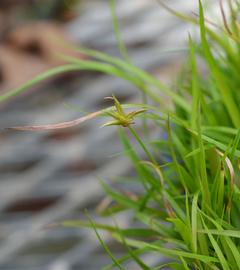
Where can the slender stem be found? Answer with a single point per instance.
(149, 155)
(121, 45)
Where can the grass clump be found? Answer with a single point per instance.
(189, 209)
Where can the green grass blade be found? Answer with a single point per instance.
(194, 222)
(42, 77)
(225, 92)
(217, 248)
(108, 251)
(170, 252)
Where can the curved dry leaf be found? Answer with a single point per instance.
(62, 125)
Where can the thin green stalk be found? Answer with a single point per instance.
(121, 45)
(149, 155)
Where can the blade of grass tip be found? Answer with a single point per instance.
(121, 45)
(138, 261)
(108, 251)
(218, 76)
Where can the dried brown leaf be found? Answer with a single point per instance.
(62, 125)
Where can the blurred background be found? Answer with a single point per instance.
(48, 177)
